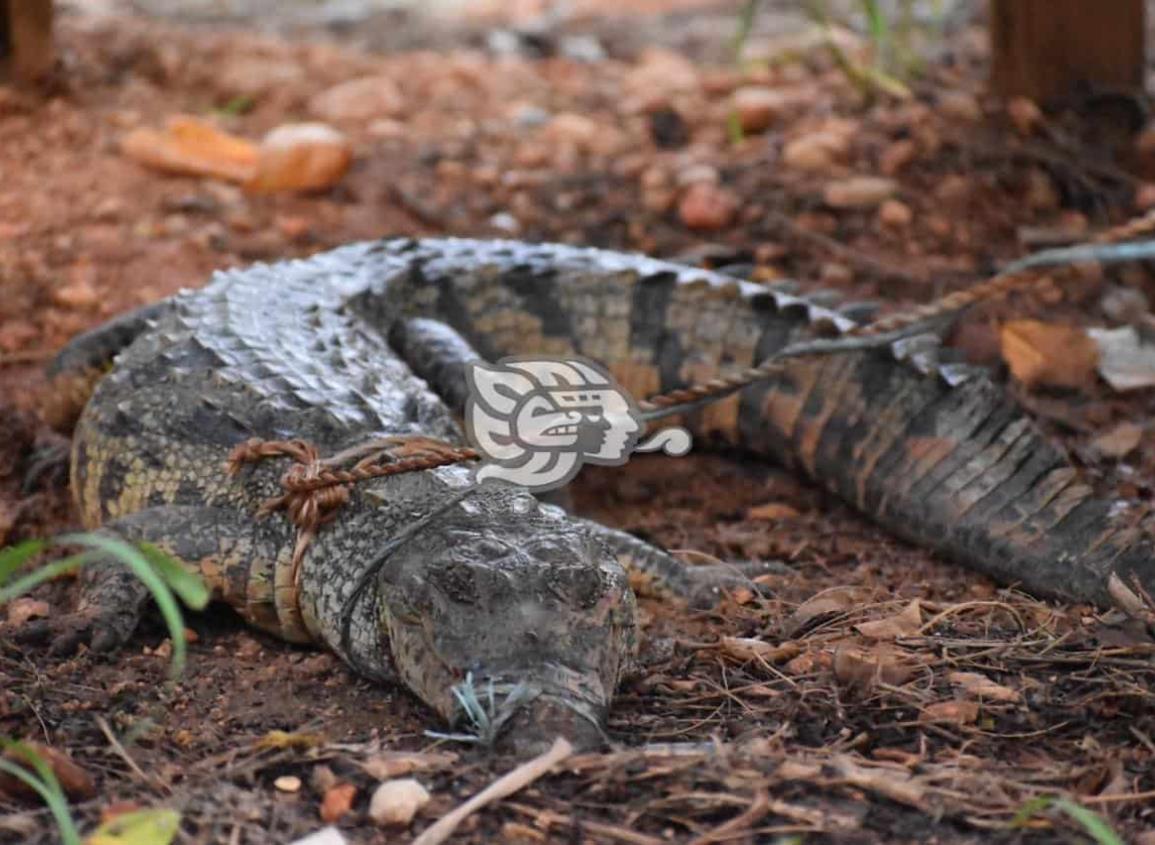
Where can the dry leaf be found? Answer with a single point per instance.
(337, 802)
(22, 609)
(75, 781)
(904, 624)
(859, 668)
(826, 604)
(279, 740)
(391, 764)
(749, 648)
(808, 663)
(980, 686)
(1048, 355)
(954, 712)
(1119, 442)
(892, 783)
(771, 512)
(191, 146)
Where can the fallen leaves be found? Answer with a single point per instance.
(904, 624)
(279, 740)
(1048, 355)
(749, 648)
(24, 608)
(337, 801)
(771, 512)
(76, 782)
(1119, 441)
(982, 687)
(391, 764)
(956, 712)
(816, 610)
(292, 157)
(862, 668)
(191, 146)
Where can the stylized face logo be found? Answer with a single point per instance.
(536, 421)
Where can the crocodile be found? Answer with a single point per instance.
(427, 580)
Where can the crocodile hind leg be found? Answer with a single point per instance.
(657, 572)
(84, 360)
(206, 540)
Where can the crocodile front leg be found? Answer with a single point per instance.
(236, 562)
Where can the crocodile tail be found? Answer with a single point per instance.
(932, 451)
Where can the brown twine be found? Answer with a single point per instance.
(315, 488)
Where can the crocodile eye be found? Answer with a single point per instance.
(584, 586)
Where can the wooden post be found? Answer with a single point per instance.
(1050, 49)
(26, 52)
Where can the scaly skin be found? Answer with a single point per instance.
(495, 584)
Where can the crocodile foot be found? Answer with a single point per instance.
(64, 634)
(709, 583)
(47, 466)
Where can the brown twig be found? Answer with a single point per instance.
(757, 809)
(506, 785)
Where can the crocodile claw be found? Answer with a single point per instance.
(64, 634)
(711, 582)
(47, 466)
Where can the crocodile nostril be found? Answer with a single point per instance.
(456, 581)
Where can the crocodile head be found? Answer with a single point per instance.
(505, 605)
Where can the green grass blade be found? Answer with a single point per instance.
(135, 560)
(189, 588)
(41, 574)
(14, 557)
(46, 785)
(1091, 822)
(745, 27)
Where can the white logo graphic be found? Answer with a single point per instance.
(536, 421)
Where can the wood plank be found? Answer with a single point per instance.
(1050, 50)
(26, 50)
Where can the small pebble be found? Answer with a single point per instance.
(760, 108)
(859, 192)
(1025, 115)
(707, 207)
(301, 157)
(396, 802)
(358, 100)
(815, 153)
(895, 214)
(287, 783)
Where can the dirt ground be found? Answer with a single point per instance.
(775, 720)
